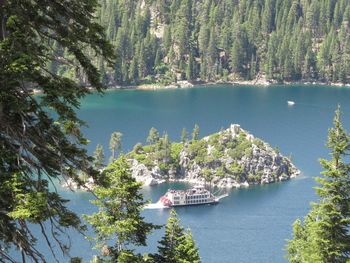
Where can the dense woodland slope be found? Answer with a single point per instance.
(169, 40)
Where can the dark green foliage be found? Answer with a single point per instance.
(242, 148)
(177, 245)
(324, 235)
(228, 40)
(187, 249)
(119, 217)
(175, 153)
(37, 38)
(237, 171)
(76, 260)
(198, 151)
(115, 144)
(164, 149)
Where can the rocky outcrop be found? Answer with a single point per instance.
(230, 158)
(148, 177)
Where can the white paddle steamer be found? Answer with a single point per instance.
(195, 196)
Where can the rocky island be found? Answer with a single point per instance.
(229, 158)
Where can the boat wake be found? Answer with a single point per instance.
(157, 205)
(221, 196)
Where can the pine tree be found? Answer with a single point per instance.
(324, 58)
(166, 148)
(119, 219)
(167, 42)
(133, 70)
(142, 70)
(157, 61)
(305, 246)
(176, 246)
(190, 72)
(184, 135)
(334, 192)
(309, 67)
(268, 17)
(203, 39)
(299, 55)
(237, 54)
(115, 144)
(325, 234)
(212, 54)
(153, 136)
(187, 250)
(118, 74)
(173, 233)
(271, 56)
(99, 157)
(195, 132)
(182, 27)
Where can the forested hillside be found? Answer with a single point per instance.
(169, 40)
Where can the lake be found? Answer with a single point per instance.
(251, 225)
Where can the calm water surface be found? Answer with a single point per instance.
(251, 225)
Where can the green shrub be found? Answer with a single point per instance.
(140, 157)
(164, 167)
(242, 147)
(217, 154)
(148, 148)
(259, 143)
(198, 150)
(253, 178)
(232, 144)
(214, 139)
(175, 150)
(248, 152)
(220, 172)
(138, 148)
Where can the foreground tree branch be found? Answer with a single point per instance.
(35, 147)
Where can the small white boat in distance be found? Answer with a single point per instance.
(290, 102)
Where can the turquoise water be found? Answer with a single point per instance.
(251, 225)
